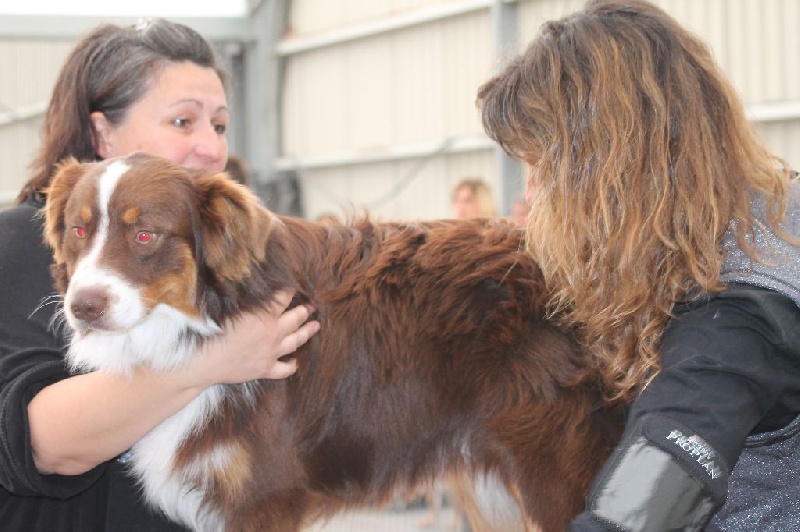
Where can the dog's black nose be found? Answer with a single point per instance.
(89, 305)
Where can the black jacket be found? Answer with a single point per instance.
(730, 373)
(32, 345)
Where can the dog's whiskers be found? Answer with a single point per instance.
(52, 299)
(58, 323)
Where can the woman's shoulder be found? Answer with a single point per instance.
(740, 310)
(22, 237)
(25, 217)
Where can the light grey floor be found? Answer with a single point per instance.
(388, 521)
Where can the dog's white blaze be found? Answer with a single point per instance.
(126, 308)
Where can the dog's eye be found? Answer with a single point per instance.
(80, 232)
(144, 237)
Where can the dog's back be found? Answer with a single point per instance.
(433, 357)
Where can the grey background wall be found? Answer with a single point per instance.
(369, 104)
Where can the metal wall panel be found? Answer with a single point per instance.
(401, 87)
(29, 70)
(534, 13)
(18, 143)
(315, 112)
(784, 139)
(468, 62)
(314, 16)
(392, 190)
(755, 42)
(363, 107)
(383, 93)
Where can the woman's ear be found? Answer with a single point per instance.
(101, 134)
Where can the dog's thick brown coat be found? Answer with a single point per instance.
(433, 356)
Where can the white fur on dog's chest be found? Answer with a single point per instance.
(179, 492)
(165, 339)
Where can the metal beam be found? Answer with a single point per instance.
(263, 86)
(292, 45)
(396, 152)
(69, 28)
(507, 179)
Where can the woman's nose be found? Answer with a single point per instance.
(212, 146)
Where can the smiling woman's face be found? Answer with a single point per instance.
(182, 117)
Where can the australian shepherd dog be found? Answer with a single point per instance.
(433, 358)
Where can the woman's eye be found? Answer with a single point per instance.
(144, 237)
(220, 128)
(181, 122)
(80, 232)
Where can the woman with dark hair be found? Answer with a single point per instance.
(157, 87)
(668, 236)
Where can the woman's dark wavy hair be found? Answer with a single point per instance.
(108, 70)
(640, 156)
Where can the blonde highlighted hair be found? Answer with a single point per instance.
(481, 193)
(640, 156)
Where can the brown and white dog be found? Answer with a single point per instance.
(433, 355)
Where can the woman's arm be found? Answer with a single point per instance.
(82, 421)
(726, 368)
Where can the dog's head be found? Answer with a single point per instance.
(132, 234)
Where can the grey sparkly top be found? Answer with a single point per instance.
(781, 272)
(764, 489)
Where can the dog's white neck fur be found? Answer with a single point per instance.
(162, 339)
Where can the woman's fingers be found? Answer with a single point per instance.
(300, 336)
(282, 369)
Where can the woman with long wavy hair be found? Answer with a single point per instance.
(667, 233)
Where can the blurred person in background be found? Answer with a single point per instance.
(519, 212)
(328, 218)
(473, 198)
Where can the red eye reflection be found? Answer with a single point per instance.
(144, 237)
(80, 232)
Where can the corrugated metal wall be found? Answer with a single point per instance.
(377, 107)
(367, 119)
(364, 95)
(29, 71)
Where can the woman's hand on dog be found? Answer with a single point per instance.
(250, 348)
(72, 431)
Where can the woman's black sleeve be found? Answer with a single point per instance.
(730, 366)
(31, 353)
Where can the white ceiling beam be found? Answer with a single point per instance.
(69, 28)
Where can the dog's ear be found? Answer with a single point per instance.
(68, 172)
(233, 226)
